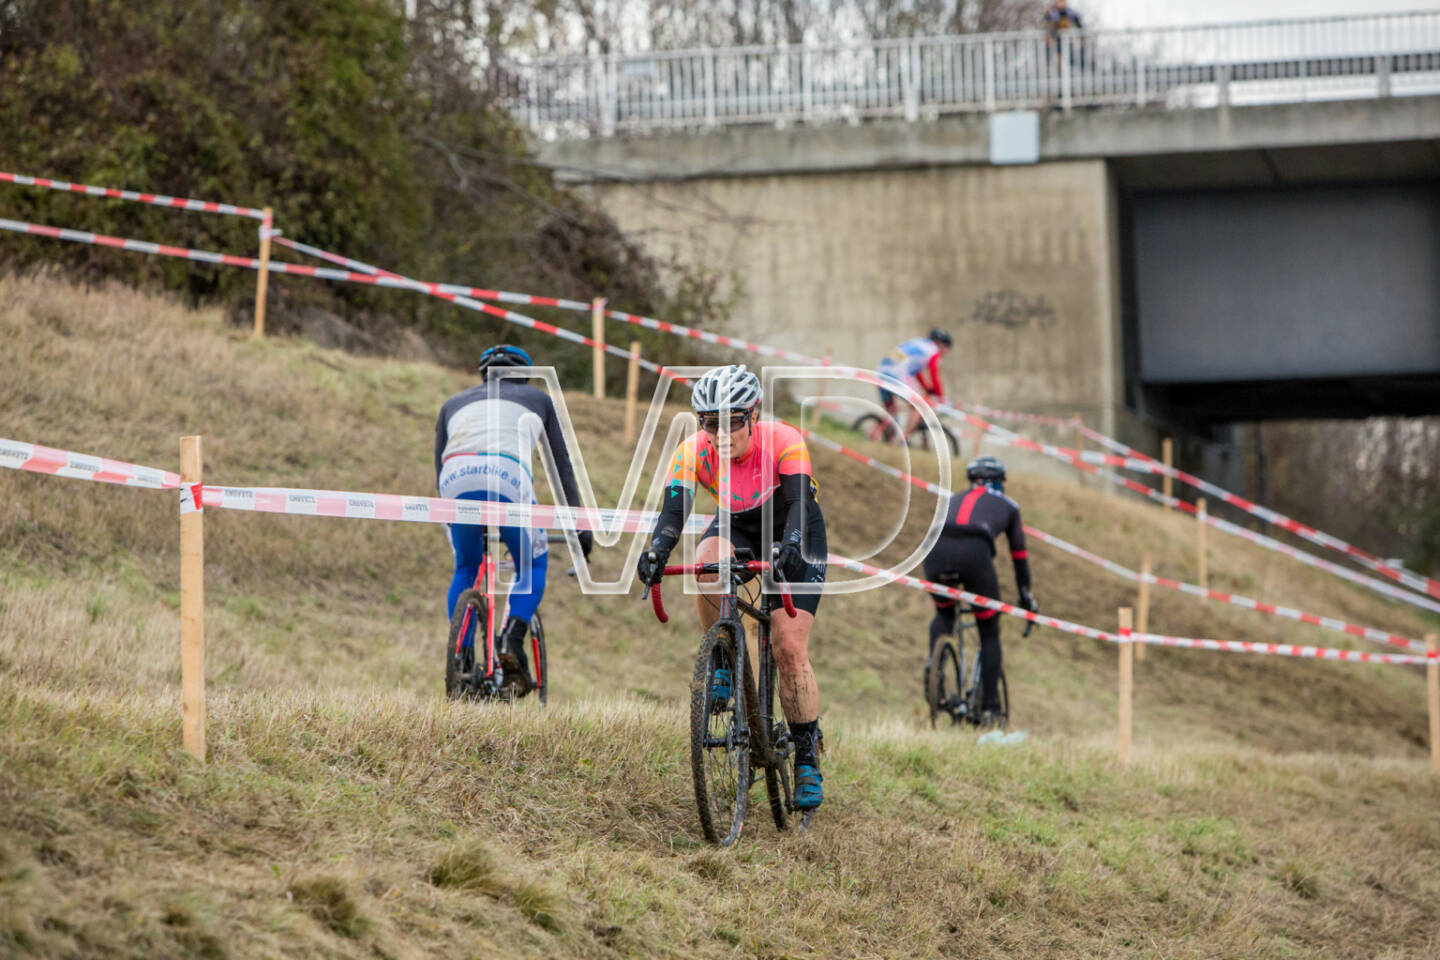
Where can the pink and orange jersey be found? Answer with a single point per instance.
(776, 450)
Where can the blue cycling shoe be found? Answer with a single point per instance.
(720, 690)
(809, 793)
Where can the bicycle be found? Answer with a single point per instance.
(475, 609)
(945, 692)
(884, 430)
(731, 728)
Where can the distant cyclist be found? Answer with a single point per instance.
(758, 460)
(964, 556)
(915, 363)
(484, 441)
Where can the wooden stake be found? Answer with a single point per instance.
(1142, 610)
(1079, 437)
(819, 398)
(632, 390)
(192, 601)
(262, 278)
(1127, 685)
(1167, 456)
(1200, 525)
(1432, 685)
(597, 333)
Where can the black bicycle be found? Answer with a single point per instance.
(734, 728)
(884, 429)
(946, 689)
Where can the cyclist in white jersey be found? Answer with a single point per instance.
(485, 438)
(915, 363)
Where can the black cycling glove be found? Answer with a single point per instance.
(653, 571)
(1027, 600)
(790, 559)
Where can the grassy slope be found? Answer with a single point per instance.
(1277, 807)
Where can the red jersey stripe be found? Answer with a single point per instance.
(967, 505)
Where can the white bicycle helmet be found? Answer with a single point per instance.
(726, 388)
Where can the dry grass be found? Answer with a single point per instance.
(1277, 808)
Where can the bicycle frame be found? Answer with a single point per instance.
(485, 580)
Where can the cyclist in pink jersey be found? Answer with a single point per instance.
(746, 463)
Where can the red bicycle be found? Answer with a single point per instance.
(467, 677)
(731, 728)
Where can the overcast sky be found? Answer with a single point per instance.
(1159, 13)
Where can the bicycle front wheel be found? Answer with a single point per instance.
(919, 438)
(873, 427)
(943, 678)
(719, 747)
(542, 665)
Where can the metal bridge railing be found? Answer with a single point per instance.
(923, 77)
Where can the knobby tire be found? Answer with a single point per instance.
(540, 662)
(943, 680)
(721, 817)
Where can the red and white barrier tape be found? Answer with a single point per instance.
(157, 199)
(386, 506)
(324, 273)
(479, 293)
(1269, 543)
(1409, 578)
(1229, 646)
(462, 297)
(1370, 633)
(1328, 623)
(1077, 458)
(36, 458)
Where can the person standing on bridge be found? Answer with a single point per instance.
(1058, 18)
(915, 363)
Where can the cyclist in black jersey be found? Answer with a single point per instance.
(964, 556)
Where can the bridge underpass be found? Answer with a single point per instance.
(1281, 284)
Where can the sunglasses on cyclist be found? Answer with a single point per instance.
(710, 422)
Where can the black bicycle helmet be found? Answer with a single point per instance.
(504, 355)
(985, 469)
(941, 337)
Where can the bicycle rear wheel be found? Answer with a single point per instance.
(1004, 691)
(542, 665)
(463, 670)
(944, 678)
(772, 747)
(719, 748)
(974, 700)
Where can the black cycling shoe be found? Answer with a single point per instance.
(513, 659)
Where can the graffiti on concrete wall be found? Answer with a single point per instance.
(1013, 310)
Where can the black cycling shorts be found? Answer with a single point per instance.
(963, 562)
(746, 533)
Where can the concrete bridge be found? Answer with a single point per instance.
(1167, 266)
